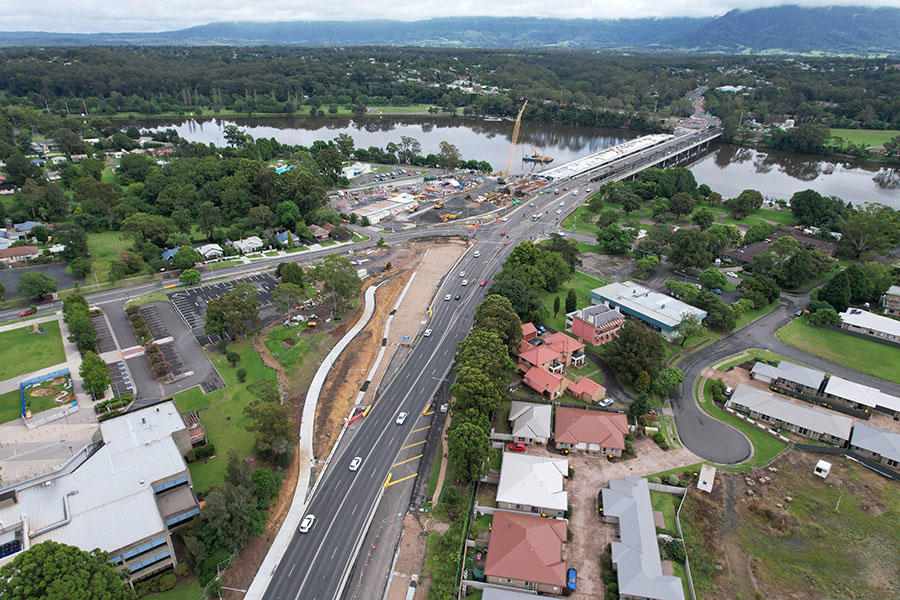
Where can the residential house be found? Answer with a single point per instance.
(19, 254)
(5, 243)
(525, 552)
(542, 357)
(877, 444)
(590, 430)
(27, 226)
(247, 245)
(866, 323)
(797, 378)
(169, 253)
(635, 555)
(595, 325)
(802, 419)
(764, 372)
(747, 253)
(570, 350)
(531, 423)
(891, 301)
(282, 238)
(533, 484)
(317, 232)
(858, 396)
(529, 331)
(124, 499)
(208, 251)
(661, 312)
(547, 384)
(587, 390)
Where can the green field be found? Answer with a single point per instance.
(10, 406)
(104, 248)
(859, 354)
(188, 591)
(108, 176)
(302, 344)
(223, 264)
(223, 416)
(869, 137)
(23, 352)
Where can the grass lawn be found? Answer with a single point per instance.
(751, 354)
(755, 314)
(679, 571)
(327, 243)
(859, 354)
(221, 413)
(223, 264)
(108, 176)
(10, 406)
(869, 137)
(503, 425)
(291, 355)
(582, 283)
(38, 403)
(360, 238)
(296, 249)
(399, 109)
(104, 248)
(272, 253)
(580, 219)
(22, 352)
(188, 591)
(765, 447)
(666, 504)
(783, 217)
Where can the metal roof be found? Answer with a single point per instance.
(533, 481)
(636, 555)
(793, 413)
(658, 307)
(530, 420)
(795, 373)
(873, 439)
(867, 320)
(863, 394)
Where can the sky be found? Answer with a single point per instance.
(91, 16)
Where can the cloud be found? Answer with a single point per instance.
(90, 16)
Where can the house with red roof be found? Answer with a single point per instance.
(587, 390)
(525, 552)
(590, 430)
(547, 384)
(570, 350)
(529, 331)
(542, 357)
(595, 325)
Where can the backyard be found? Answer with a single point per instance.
(862, 355)
(23, 352)
(221, 413)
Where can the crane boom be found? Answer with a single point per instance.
(515, 139)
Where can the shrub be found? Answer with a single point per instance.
(655, 480)
(232, 357)
(181, 569)
(658, 437)
(200, 452)
(608, 576)
(674, 550)
(167, 582)
(241, 375)
(673, 480)
(664, 445)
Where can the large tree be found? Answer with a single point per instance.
(485, 350)
(692, 248)
(615, 240)
(35, 283)
(274, 430)
(286, 296)
(874, 228)
(635, 349)
(339, 280)
(52, 571)
(496, 314)
(233, 314)
(95, 374)
(467, 445)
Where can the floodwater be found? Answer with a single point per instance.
(727, 169)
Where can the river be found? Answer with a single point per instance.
(727, 169)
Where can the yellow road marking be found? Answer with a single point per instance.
(390, 483)
(387, 481)
(414, 444)
(425, 412)
(403, 462)
(419, 429)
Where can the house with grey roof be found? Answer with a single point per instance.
(802, 419)
(531, 423)
(533, 484)
(870, 324)
(877, 444)
(798, 378)
(861, 397)
(891, 301)
(764, 372)
(636, 555)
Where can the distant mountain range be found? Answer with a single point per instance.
(831, 30)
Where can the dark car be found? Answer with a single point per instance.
(540, 328)
(572, 579)
(456, 297)
(517, 447)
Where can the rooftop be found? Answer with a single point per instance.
(636, 555)
(863, 394)
(799, 374)
(801, 415)
(586, 386)
(894, 290)
(530, 420)
(561, 342)
(867, 320)
(533, 481)
(526, 548)
(659, 307)
(597, 315)
(542, 381)
(576, 425)
(539, 355)
(873, 439)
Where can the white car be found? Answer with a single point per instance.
(477, 254)
(574, 192)
(465, 282)
(307, 523)
(401, 418)
(606, 402)
(462, 273)
(448, 297)
(354, 464)
(587, 190)
(731, 274)
(427, 333)
(559, 211)
(563, 203)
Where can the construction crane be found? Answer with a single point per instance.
(512, 148)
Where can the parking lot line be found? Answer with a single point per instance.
(413, 445)
(403, 462)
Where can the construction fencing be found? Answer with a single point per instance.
(23, 385)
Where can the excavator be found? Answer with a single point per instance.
(447, 217)
(504, 179)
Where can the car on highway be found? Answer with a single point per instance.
(465, 282)
(401, 418)
(502, 234)
(354, 464)
(587, 190)
(482, 282)
(574, 192)
(606, 402)
(447, 297)
(306, 525)
(25, 313)
(456, 297)
(572, 579)
(427, 333)
(462, 273)
(517, 447)
(563, 203)
(532, 204)
(559, 211)
(477, 254)
(506, 243)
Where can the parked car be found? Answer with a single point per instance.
(731, 274)
(502, 234)
(540, 328)
(354, 464)
(606, 402)
(572, 579)
(517, 447)
(717, 291)
(401, 418)
(506, 243)
(308, 522)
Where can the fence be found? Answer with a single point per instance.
(862, 336)
(687, 564)
(820, 401)
(29, 382)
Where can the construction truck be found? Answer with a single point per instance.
(447, 216)
(413, 208)
(439, 204)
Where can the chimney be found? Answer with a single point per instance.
(9, 225)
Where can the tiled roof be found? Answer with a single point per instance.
(542, 381)
(526, 548)
(576, 425)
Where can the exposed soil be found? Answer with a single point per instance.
(59, 381)
(40, 392)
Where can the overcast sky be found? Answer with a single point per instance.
(164, 15)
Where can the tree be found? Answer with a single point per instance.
(287, 295)
(667, 379)
(448, 158)
(208, 218)
(467, 445)
(615, 240)
(690, 326)
(146, 227)
(873, 228)
(639, 407)
(646, 265)
(691, 248)
(233, 314)
(189, 277)
(474, 389)
(630, 202)
(836, 292)
(185, 258)
(486, 351)
(53, 571)
(408, 149)
(82, 331)
(713, 279)
(759, 232)
(40, 233)
(287, 213)
(339, 279)
(810, 208)
(496, 314)
(555, 305)
(274, 431)
(133, 168)
(825, 316)
(35, 283)
(681, 204)
(703, 218)
(291, 273)
(345, 144)
(73, 238)
(81, 267)
(523, 299)
(635, 349)
(571, 300)
(95, 374)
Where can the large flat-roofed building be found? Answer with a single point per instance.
(660, 311)
(385, 209)
(123, 499)
(866, 323)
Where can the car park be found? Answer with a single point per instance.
(447, 297)
(427, 333)
(354, 464)
(308, 522)
(517, 447)
(401, 418)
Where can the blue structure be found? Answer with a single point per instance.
(38, 379)
(168, 255)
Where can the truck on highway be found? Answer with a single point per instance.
(536, 216)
